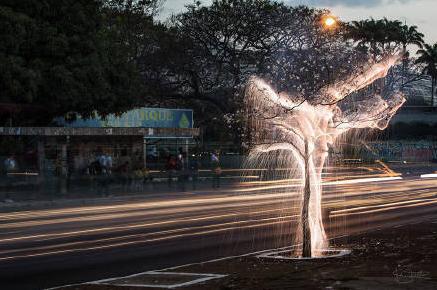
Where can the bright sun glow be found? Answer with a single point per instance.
(330, 21)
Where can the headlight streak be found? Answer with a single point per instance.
(119, 244)
(138, 222)
(122, 228)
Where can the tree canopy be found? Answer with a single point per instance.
(63, 56)
(382, 35)
(428, 58)
(67, 57)
(215, 49)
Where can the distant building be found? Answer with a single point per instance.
(419, 93)
(418, 106)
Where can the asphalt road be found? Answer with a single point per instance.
(52, 247)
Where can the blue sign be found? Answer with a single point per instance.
(142, 117)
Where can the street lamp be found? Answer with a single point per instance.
(329, 22)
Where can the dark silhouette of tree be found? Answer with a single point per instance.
(210, 52)
(224, 43)
(409, 35)
(66, 56)
(379, 37)
(207, 53)
(383, 35)
(428, 58)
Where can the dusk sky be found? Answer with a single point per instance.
(414, 12)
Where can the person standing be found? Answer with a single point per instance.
(105, 162)
(216, 169)
(108, 163)
(11, 167)
(11, 164)
(123, 169)
(194, 170)
(181, 167)
(170, 167)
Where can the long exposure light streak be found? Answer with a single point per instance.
(123, 228)
(359, 205)
(141, 241)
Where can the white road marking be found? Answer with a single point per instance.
(202, 278)
(362, 180)
(433, 175)
(165, 270)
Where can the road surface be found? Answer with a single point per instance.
(52, 247)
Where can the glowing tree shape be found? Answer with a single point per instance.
(306, 130)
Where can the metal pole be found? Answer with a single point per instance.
(186, 150)
(64, 167)
(41, 157)
(144, 152)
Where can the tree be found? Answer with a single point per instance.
(410, 36)
(316, 88)
(60, 55)
(368, 34)
(215, 49)
(383, 35)
(379, 37)
(303, 131)
(311, 57)
(428, 58)
(207, 53)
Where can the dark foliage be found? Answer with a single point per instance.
(61, 56)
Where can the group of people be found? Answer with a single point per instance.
(184, 169)
(101, 169)
(130, 178)
(103, 173)
(102, 165)
(178, 166)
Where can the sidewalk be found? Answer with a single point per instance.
(396, 258)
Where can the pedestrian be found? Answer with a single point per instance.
(194, 166)
(94, 168)
(216, 169)
(105, 169)
(138, 179)
(11, 167)
(124, 174)
(181, 169)
(170, 167)
(147, 177)
(108, 164)
(11, 164)
(104, 161)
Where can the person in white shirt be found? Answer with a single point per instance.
(11, 164)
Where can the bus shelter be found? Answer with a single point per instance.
(139, 136)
